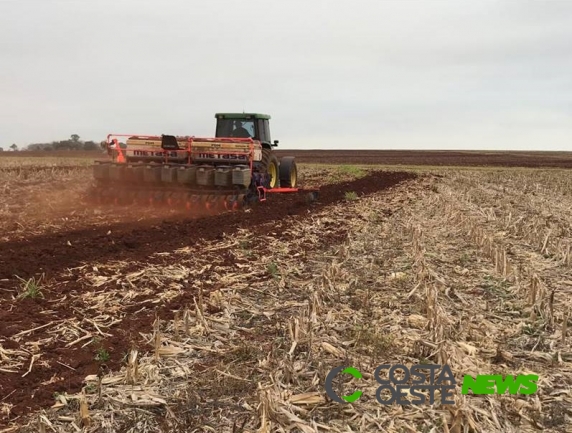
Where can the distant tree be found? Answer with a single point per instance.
(90, 145)
(68, 144)
(1, 149)
(14, 147)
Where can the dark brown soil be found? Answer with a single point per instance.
(500, 158)
(51, 254)
(434, 158)
(130, 241)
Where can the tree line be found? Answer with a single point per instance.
(72, 143)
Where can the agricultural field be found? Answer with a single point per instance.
(140, 319)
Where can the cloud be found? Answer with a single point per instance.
(391, 74)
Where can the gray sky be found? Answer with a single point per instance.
(433, 74)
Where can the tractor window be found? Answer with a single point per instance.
(263, 130)
(235, 128)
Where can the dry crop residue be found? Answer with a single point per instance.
(81, 315)
(465, 269)
(471, 268)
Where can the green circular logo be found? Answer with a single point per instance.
(330, 390)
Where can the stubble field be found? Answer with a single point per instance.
(147, 320)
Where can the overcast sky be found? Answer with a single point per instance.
(428, 74)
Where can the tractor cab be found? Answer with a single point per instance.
(245, 125)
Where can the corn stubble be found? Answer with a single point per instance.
(471, 269)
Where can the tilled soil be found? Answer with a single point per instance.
(434, 158)
(385, 156)
(53, 254)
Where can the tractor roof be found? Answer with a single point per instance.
(241, 116)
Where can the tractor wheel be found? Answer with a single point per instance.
(270, 165)
(288, 172)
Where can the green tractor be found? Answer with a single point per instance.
(282, 173)
(235, 167)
